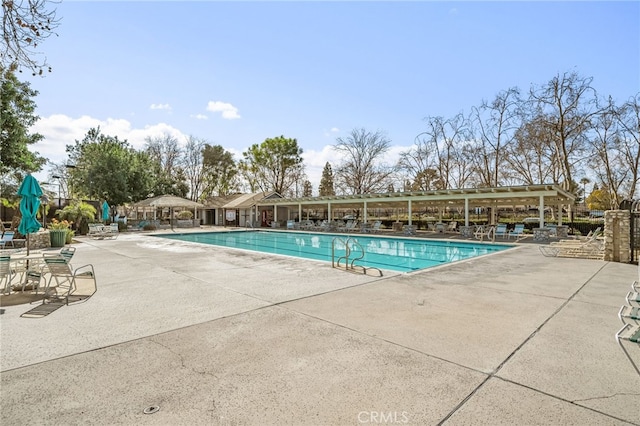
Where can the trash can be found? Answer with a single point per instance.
(58, 237)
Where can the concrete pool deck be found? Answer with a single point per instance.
(219, 336)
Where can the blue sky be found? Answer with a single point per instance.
(236, 73)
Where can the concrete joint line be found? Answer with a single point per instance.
(520, 346)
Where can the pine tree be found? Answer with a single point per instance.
(326, 182)
(307, 190)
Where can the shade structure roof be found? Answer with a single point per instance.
(163, 201)
(551, 195)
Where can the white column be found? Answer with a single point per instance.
(541, 211)
(364, 216)
(559, 214)
(409, 209)
(466, 212)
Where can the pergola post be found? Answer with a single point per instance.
(466, 211)
(409, 210)
(364, 216)
(541, 211)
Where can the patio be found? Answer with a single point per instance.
(216, 336)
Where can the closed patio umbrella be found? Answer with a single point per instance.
(30, 192)
(105, 211)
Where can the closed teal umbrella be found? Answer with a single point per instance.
(105, 211)
(30, 192)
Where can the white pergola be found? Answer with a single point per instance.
(465, 199)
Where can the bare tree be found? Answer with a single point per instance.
(362, 170)
(192, 165)
(606, 144)
(531, 156)
(164, 150)
(496, 123)
(628, 117)
(25, 25)
(442, 147)
(566, 104)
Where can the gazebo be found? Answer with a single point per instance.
(170, 202)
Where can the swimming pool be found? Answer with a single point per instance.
(395, 254)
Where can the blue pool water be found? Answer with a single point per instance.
(395, 254)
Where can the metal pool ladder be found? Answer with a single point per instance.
(353, 252)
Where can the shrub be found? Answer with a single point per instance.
(185, 215)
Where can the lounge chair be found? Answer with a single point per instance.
(501, 230)
(5, 273)
(7, 238)
(66, 278)
(629, 314)
(518, 231)
(592, 248)
(629, 333)
(452, 227)
(375, 228)
(633, 298)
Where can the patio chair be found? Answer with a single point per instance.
(66, 278)
(633, 298)
(7, 238)
(113, 231)
(5, 273)
(452, 227)
(629, 333)
(628, 314)
(518, 231)
(96, 231)
(501, 230)
(67, 253)
(375, 228)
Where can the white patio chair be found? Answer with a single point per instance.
(65, 277)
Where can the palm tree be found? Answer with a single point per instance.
(80, 213)
(584, 181)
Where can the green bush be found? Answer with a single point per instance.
(185, 215)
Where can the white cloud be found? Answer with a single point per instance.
(161, 106)
(60, 130)
(229, 112)
(200, 117)
(332, 132)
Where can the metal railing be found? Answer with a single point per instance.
(353, 252)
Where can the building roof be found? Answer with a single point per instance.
(248, 201)
(220, 201)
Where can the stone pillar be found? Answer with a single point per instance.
(617, 236)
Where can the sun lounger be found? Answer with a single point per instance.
(629, 334)
(518, 231)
